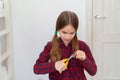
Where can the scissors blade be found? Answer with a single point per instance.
(71, 57)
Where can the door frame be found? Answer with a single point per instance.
(89, 24)
(89, 27)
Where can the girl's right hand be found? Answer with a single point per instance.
(60, 66)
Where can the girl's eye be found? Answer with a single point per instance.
(64, 32)
(72, 33)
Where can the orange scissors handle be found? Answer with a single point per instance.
(66, 62)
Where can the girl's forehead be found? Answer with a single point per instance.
(68, 28)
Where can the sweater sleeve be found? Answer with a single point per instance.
(89, 63)
(43, 65)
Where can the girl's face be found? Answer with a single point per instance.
(67, 33)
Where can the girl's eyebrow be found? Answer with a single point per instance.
(72, 32)
(67, 32)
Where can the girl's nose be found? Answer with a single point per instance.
(67, 36)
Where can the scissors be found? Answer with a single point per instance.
(66, 60)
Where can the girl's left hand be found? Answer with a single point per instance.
(80, 55)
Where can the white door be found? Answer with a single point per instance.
(106, 38)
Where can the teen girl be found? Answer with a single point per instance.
(53, 58)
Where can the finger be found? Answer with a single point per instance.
(60, 72)
(64, 68)
(65, 60)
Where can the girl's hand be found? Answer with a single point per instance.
(80, 55)
(60, 66)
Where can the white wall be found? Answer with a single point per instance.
(33, 24)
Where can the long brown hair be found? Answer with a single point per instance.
(65, 18)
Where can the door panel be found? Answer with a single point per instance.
(111, 63)
(111, 10)
(106, 38)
